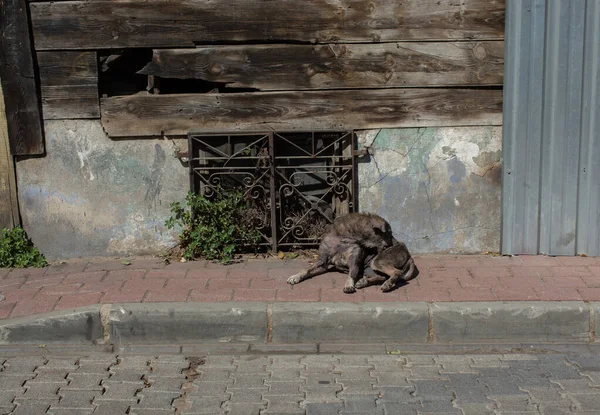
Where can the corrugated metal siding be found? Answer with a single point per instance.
(551, 143)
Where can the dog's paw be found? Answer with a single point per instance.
(349, 289)
(293, 280)
(362, 283)
(387, 287)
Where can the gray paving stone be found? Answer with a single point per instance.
(544, 394)
(283, 407)
(438, 406)
(321, 393)
(155, 400)
(323, 408)
(201, 388)
(146, 411)
(399, 378)
(111, 407)
(394, 408)
(133, 362)
(556, 408)
(94, 367)
(364, 403)
(501, 386)
(69, 411)
(85, 381)
(244, 408)
(22, 364)
(283, 376)
(41, 391)
(31, 407)
(167, 370)
(475, 408)
(395, 394)
(66, 363)
(585, 362)
(7, 397)
(284, 388)
(520, 403)
(249, 380)
(51, 375)
(582, 385)
(246, 395)
(426, 372)
(121, 392)
(134, 376)
(200, 405)
(76, 399)
(587, 402)
(166, 384)
(11, 383)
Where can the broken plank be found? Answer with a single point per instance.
(25, 130)
(150, 115)
(301, 67)
(185, 23)
(69, 85)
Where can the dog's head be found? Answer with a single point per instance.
(383, 232)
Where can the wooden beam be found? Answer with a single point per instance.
(150, 115)
(9, 207)
(183, 23)
(301, 67)
(69, 85)
(18, 80)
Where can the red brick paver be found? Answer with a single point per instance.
(442, 278)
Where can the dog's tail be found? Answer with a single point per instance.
(411, 270)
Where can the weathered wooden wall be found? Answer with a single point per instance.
(300, 65)
(19, 80)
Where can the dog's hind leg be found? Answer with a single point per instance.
(317, 268)
(368, 280)
(406, 274)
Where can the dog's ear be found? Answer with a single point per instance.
(379, 229)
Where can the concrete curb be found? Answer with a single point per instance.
(294, 323)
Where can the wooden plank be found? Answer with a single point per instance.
(69, 85)
(9, 207)
(184, 23)
(301, 67)
(67, 68)
(70, 102)
(18, 80)
(149, 115)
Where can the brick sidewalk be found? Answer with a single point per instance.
(442, 278)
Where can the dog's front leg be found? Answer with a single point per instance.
(355, 268)
(317, 268)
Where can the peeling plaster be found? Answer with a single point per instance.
(434, 186)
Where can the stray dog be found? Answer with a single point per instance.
(345, 246)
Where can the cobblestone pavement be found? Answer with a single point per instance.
(478, 384)
(442, 278)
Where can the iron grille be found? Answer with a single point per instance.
(294, 183)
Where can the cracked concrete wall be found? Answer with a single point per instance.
(93, 196)
(440, 188)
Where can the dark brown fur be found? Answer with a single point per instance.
(388, 267)
(346, 244)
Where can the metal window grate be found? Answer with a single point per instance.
(294, 183)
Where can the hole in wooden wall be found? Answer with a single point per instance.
(118, 76)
